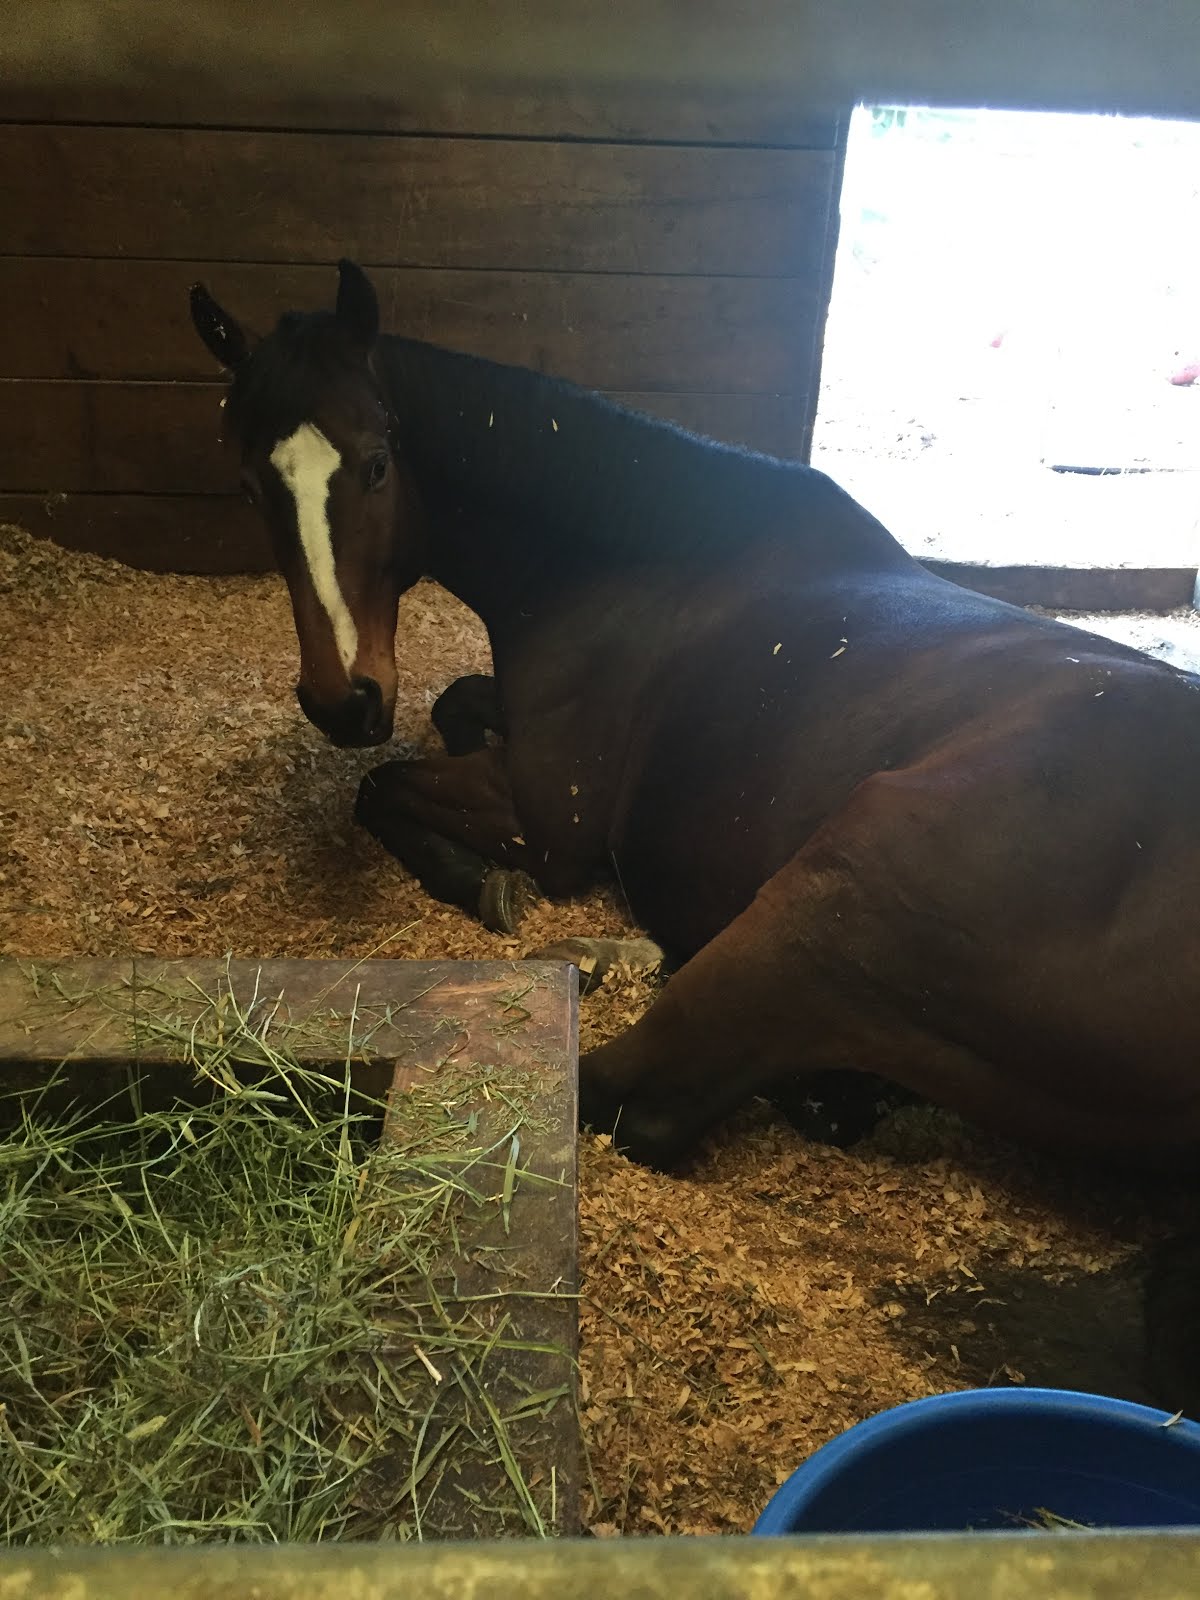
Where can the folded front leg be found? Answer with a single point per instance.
(450, 821)
(466, 712)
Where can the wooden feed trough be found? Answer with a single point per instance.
(451, 1412)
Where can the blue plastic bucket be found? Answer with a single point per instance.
(995, 1458)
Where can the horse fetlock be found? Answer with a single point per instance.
(654, 1139)
(649, 1135)
(619, 1097)
(504, 899)
(836, 1107)
(451, 872)
(376, 794)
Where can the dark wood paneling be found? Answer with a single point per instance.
(204, 533)
(129, 319)
(196, 194)
(151, 438)
(644, 114)
(114, 438)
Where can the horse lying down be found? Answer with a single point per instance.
(834, 1107)
(877, 822)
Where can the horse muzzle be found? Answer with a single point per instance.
(359, 720)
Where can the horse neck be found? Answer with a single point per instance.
(526, 482)
(530, 486)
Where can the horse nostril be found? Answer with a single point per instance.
(358, 718)
(369, 706)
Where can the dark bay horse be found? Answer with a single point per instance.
(882, 822)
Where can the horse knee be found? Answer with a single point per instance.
(450, 872)
(378, 794)
(466, 712)
(655, 1115)
(651, 1136)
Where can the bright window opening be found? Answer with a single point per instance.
(1012, 362)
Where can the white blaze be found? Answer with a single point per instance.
(306, 462)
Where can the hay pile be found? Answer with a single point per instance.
(160, 793)
(222, 1318)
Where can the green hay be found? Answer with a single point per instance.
(241, 1319)
(1050, 1522)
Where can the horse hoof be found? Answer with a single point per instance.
(597, 957)
(505, 898)
(837, 1107)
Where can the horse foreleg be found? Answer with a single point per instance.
(450, 821)
(466, 712)
(777, 995)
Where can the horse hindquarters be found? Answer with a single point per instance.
(774, 996)
(894, 943)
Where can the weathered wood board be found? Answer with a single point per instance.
(397, 1024)
(687, 280)
(490, 203)
(630, 331)
(655, 69)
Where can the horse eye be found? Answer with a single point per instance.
(250, 490)
(376, 471)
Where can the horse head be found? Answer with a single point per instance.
(307, 415)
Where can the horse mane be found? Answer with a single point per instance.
(558, 457)
(572, 459)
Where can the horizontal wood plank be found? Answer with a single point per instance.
(198, 194)
(645, 113)
(163, 438)
(1076, 588)
(129, 319)
(457, 64)
(213, 535)
(113, 438)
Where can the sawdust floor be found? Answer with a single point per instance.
(159, 792)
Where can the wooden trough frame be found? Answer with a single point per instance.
(396, 1023)
(991, 1566)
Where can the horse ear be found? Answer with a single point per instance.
(357, 305)
(223, 337)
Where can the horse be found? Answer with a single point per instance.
(880, 822)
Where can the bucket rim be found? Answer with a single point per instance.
(832, 1460)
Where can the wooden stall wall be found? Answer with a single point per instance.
(690, 280)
